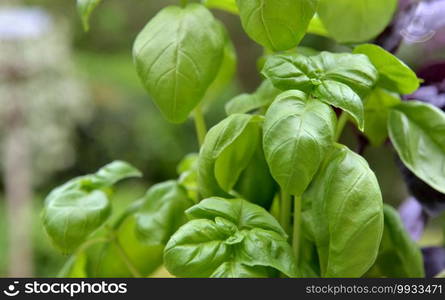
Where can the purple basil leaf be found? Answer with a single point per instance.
(433, 260)
(413, 217)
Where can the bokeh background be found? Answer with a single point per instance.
(70, 102)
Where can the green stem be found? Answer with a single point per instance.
(341, 125)
(296, 236)
(124, 256)
(200, 124)
(285, 210)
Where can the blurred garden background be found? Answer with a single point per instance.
(71, 102)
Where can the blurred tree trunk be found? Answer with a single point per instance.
(17, 180)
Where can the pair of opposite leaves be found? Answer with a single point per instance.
(235, 238)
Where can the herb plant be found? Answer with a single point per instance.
(272, 191)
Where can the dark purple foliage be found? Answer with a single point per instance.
(433, 260)
(413, 217)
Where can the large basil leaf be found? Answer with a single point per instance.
(351, 21)
(347, 212)
(80, 206)
(226, 5)
(178, 55)
(399, 256)
(162, 212)
(262, 97)
(298, 132)
(342, 96)
(276, 25)
(226, 152)
(417, 131)
(85, 9)
(295, 71)
(394, 75)
(229, 232)
(377, 107)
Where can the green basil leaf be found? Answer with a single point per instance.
(188, 175)
(226, 5)
(352, 21)
(235, 269)
(243, 214)
(162, 212)
(305, 73)
(111, 174)
(226, 152)
(276, 25)
(85, 9)
(347, 209)
(394, 74)
(267, 248)
(316, 27)
(76, 209)
(377, 107)
(262, 97)
(175, 71)
(227, 233)
(256, 184)
(295, 127)
(399, 256)
(70, 217)
(198, 248)
(342, 96)
(417, 131)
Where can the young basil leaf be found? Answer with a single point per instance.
(243, 214)
(347, 209)
(199, 247)
(226, 5)
(304, 73)
(226, 152)
(417, 131)
(298, 132)
(178, 55)
(85, 9)
(162, 212)
(267, 248)
(316, 27)
(256, 184)
(342, 96)
(262, 97)
(352, 21)
(377, 107)
(229, 232)
(399, 256)
(188, 175)
(276, 25)
(76, 209)
(394, 75)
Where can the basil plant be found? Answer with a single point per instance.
(271, 192)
